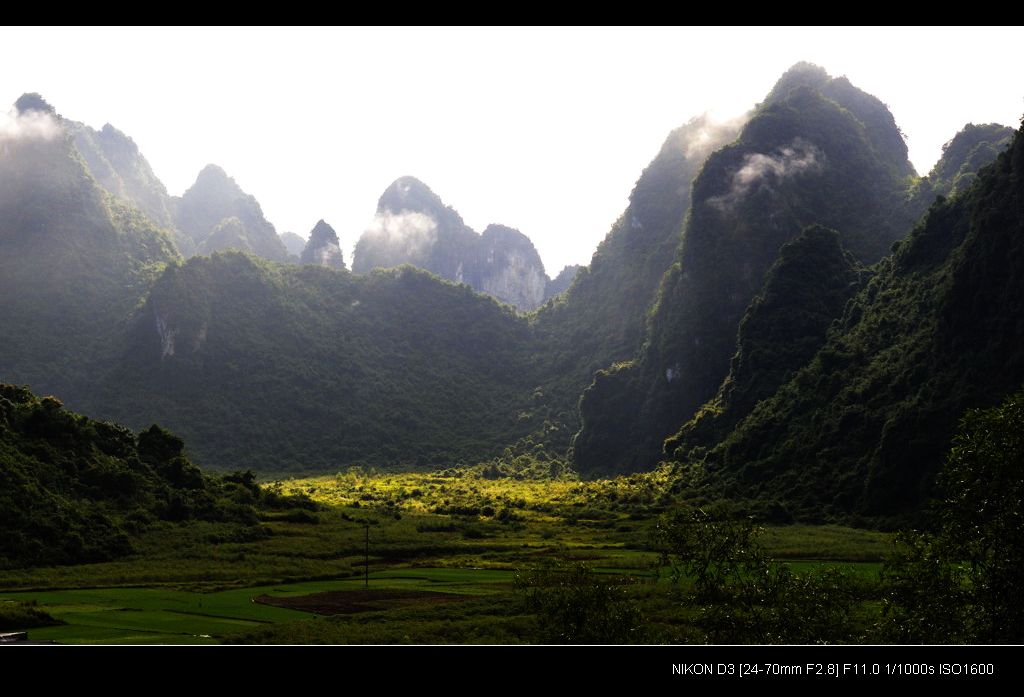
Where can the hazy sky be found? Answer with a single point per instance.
(545, 130)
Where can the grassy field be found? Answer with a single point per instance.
(162, 615)
(444, 552)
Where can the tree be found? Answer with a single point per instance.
(744, 596)
(574, 606)
(962, 582)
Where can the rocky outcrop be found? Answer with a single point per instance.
(510, 268)
(293, 243)
(216, 197)
(323, 248)
(413, 226)
(560, 283)
(116, 163)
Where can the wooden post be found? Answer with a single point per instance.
(366, 565)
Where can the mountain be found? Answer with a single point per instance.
(962, 157)
(754, 300)
(207, 206)
(601, 318)
(323, 248)
(277, 367)
(215, 214)
(817, 151)
(229, 233)
(293, 243)
(804, 292)
(116, 163)
(861, 429)
(509, 268)
(560, 283)
(413, 226)
(283, 367)
(74, 261)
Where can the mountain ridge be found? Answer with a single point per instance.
(414, 226)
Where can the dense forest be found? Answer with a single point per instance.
(804, 157)
(862, 425)
(75, 490)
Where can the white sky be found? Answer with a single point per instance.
(545, 130)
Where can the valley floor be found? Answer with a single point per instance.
(452, 556)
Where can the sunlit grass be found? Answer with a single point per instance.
(454, 531)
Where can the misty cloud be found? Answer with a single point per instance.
(410, 231)
(704, 134)
(30, 125)
(759, 169)
(328, 255)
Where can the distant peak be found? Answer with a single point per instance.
(409, 193)
(33, 101)
(407, 184)
(323, 247)
(807, 70)
(497, 231)
(213, 171)
(112, 135)
(323, 233)
(802, 74)
(214, 179)
(213, 184)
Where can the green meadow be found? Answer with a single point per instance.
(447, 554)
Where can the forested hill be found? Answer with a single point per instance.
(601, 318)
(804, 291)
(216, 215)
(74, 261)
(258, 365)
(817, 151)
(862, 427)
(74, 490)
(277, 367)
(962, 157)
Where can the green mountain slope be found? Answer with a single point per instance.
(962, 157)
(616, 289)
(560, 283)
(602, 316)
(785, 325)
(300, 367)
(74, 262)
(214, 198)
(116, 163)
(804, 158)
(862, 428)
(74, 490)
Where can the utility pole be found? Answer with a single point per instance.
(366, 556)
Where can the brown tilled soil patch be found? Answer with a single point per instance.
(353, 601)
